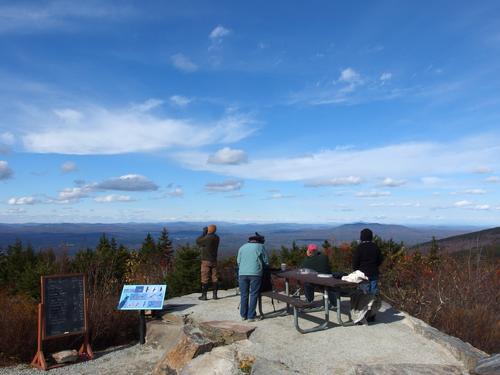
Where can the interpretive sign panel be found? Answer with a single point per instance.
(142, 297)
(63, 301)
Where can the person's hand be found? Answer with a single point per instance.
(205, 231)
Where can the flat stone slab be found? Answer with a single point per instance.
(488, 366)
(336, 350)
(408, 369)
(226, 332)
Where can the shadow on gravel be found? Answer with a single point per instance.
(390, 315)
(105, 352)
(171, 307)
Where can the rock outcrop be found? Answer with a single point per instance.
(197, 339)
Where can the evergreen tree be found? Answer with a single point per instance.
(166, 251)
(148, 251)
(185, 277)
(434, 251)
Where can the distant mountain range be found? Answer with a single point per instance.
(73, 237)
(488, 239)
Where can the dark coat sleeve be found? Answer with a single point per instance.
(355, 259)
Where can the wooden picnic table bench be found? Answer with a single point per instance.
(340, 287)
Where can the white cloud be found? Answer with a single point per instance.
(349, 75)
(113, 198)
(223, 187)
(68, 115)
(338, 181)
(183, 63)
(373, 194)
(493, 179)
(179, 100)
(130, 182)
(463, 203)
(69, 167)
(475, 191)
(482, 170)
(5, 171)
(175, 191)
(219, 32)
(20, 17)
(482, 207)
(74, 194)
(7, 138)
(390, 182)
(279, 195)
(228, 155)
(130, 130)
(385, 76)
(425, 158)
(22, 201)
(148, 105)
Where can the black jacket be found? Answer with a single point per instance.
(209, 245)
(367, 258)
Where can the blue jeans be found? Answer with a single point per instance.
(249, 287)
(371, 287)
(309, 294)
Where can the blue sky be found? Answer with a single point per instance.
(313, 112)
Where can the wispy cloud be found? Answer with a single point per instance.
(130, 182)
(68, 167)
(483, 170)
(385, 76)
(5, 171)
(7, 138)
(391, 182)
(21, 201)
(338, 181)
(113, 198)
(426, 159)
(179, 100)
(228, 155)
(493, 179)
(373, 194)
(131, 129)
(471, 205)
(183, 63)
(174, 191)
(224, 187)
(148, 105)
(279, 195)
(68, 115)
(219, 32)
(56, 15)
(475, 191)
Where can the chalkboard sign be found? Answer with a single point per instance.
(63, 300)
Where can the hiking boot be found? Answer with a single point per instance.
(216, 288)
(204, 290)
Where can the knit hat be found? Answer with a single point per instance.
(212, 228)
(257, 238)
(311, 248)
(366, 235)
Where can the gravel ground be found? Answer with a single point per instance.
(130, 360)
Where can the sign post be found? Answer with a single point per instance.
(142, 297)
(62, 312)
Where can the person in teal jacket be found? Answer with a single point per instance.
(252, 258)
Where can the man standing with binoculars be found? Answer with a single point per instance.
(209, 244)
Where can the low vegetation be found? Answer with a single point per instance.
(457, 294)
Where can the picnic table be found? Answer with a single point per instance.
(338, 286)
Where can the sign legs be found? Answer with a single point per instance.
(142, 327)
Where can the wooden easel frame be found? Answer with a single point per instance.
(85, 351)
